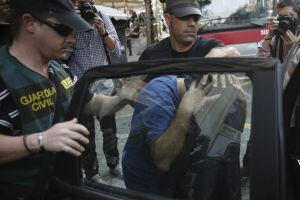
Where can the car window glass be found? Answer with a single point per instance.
(212, 162)
(222, 13)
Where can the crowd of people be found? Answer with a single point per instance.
(54, 42)
(136, 27)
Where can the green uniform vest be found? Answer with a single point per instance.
(37, 99)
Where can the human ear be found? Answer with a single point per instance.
(28, 23)
(167, 18)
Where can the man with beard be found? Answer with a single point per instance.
(163, 114)
(181, 18)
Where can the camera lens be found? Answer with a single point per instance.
(89, 14)
(87, 11)
(284, 25)
(286, 22)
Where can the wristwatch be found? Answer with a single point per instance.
(40, 142)
(260, 45)
(105, 34)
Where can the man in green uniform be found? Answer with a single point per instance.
(35, 92)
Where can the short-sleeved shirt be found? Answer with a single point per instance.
(154, 111)
(10, 121)
(163, 49)
(25, 171)
(155, 108)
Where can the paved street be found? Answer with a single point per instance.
(138, 45)
(123, 119)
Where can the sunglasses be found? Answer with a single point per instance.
(60, 29)
(188, 17)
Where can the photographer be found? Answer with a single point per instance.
(283, 31)
(92, 49)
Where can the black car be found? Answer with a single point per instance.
(261, 80)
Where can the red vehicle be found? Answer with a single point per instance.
(238, 23)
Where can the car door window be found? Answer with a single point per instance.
(213, 158)
(217, 150)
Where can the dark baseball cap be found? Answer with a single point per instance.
(63, 10)
(182, 8)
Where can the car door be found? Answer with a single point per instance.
(261, 82)
(291, 78)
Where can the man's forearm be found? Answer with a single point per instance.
(168, 146)
(101, 105)
(266, 44)
(223, 52)
(263, 49)
(110, 42)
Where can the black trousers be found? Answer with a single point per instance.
(219, 178)
(110, 144)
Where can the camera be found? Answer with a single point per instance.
(87, 11)
(286, 21)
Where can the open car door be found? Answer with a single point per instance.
(261, 82)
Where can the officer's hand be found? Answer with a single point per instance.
(66, 136)
(289, 38)
(196, 97)
(218, 79)
(99, 23)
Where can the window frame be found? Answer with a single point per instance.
(267, 169)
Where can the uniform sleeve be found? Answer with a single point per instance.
(9, 115)
(112, 32)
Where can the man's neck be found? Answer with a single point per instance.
(179, 47)
(29, 57)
